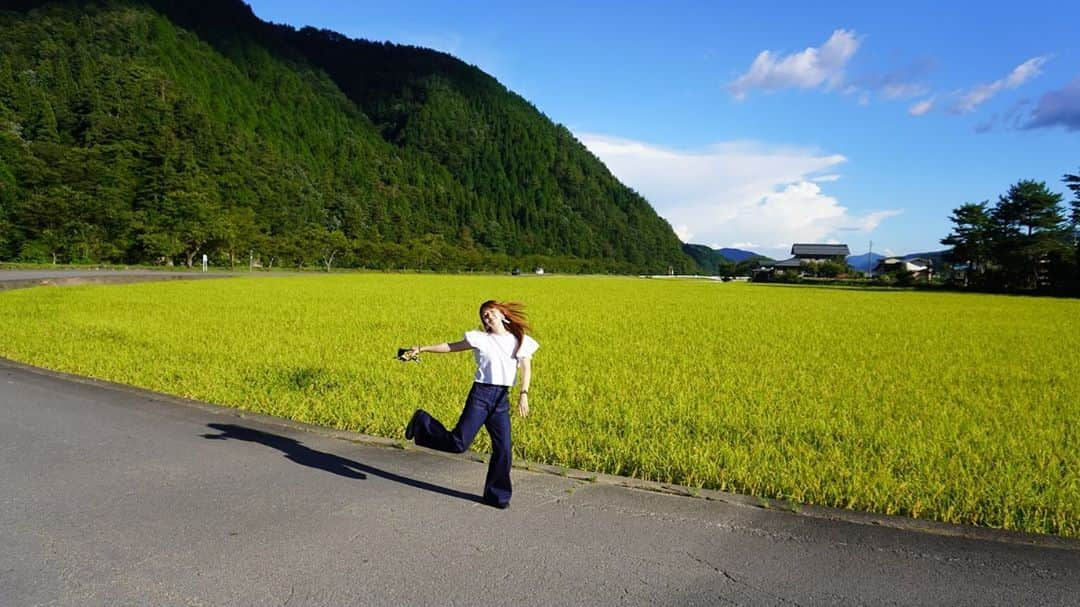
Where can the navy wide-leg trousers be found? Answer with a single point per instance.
(486, 406)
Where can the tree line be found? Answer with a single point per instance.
(1027, 240)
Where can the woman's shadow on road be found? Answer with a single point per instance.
(305, 456)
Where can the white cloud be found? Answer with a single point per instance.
(1025, 71)
(737, 193)
(921, 107)
(900, 83)
(807, 69)
(980, 94)
(683, 232)
(977, 96)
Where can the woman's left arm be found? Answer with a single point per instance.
(526, 377)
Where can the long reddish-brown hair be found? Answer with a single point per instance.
(514, 312)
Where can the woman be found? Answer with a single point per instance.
(500, 349)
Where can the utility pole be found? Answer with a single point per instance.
(870, 259)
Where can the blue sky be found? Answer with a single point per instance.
(761, 124)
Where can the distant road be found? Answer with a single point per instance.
(20, 279)
(115, 496)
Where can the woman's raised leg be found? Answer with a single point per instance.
(429, 432)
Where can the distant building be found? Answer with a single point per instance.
(920, 268)
(804, 254)
(819, 252)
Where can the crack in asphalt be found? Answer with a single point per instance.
(738, 582)
(1015, 566)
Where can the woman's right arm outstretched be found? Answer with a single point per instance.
(443, 348)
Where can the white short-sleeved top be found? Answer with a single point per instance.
(495, 361)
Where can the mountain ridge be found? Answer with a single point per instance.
(240, 135)
(724, 260)
(738, 255)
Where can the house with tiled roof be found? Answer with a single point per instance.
(808, 253)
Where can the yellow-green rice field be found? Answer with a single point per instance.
(956, 407)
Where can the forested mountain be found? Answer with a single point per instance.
(738, 255)
(724, 261)
(159, 130)
(864, 262)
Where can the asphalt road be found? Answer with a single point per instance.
(113, 496)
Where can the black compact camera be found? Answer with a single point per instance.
(403, 355)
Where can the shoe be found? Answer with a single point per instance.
(410, 428)
(500, 506)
